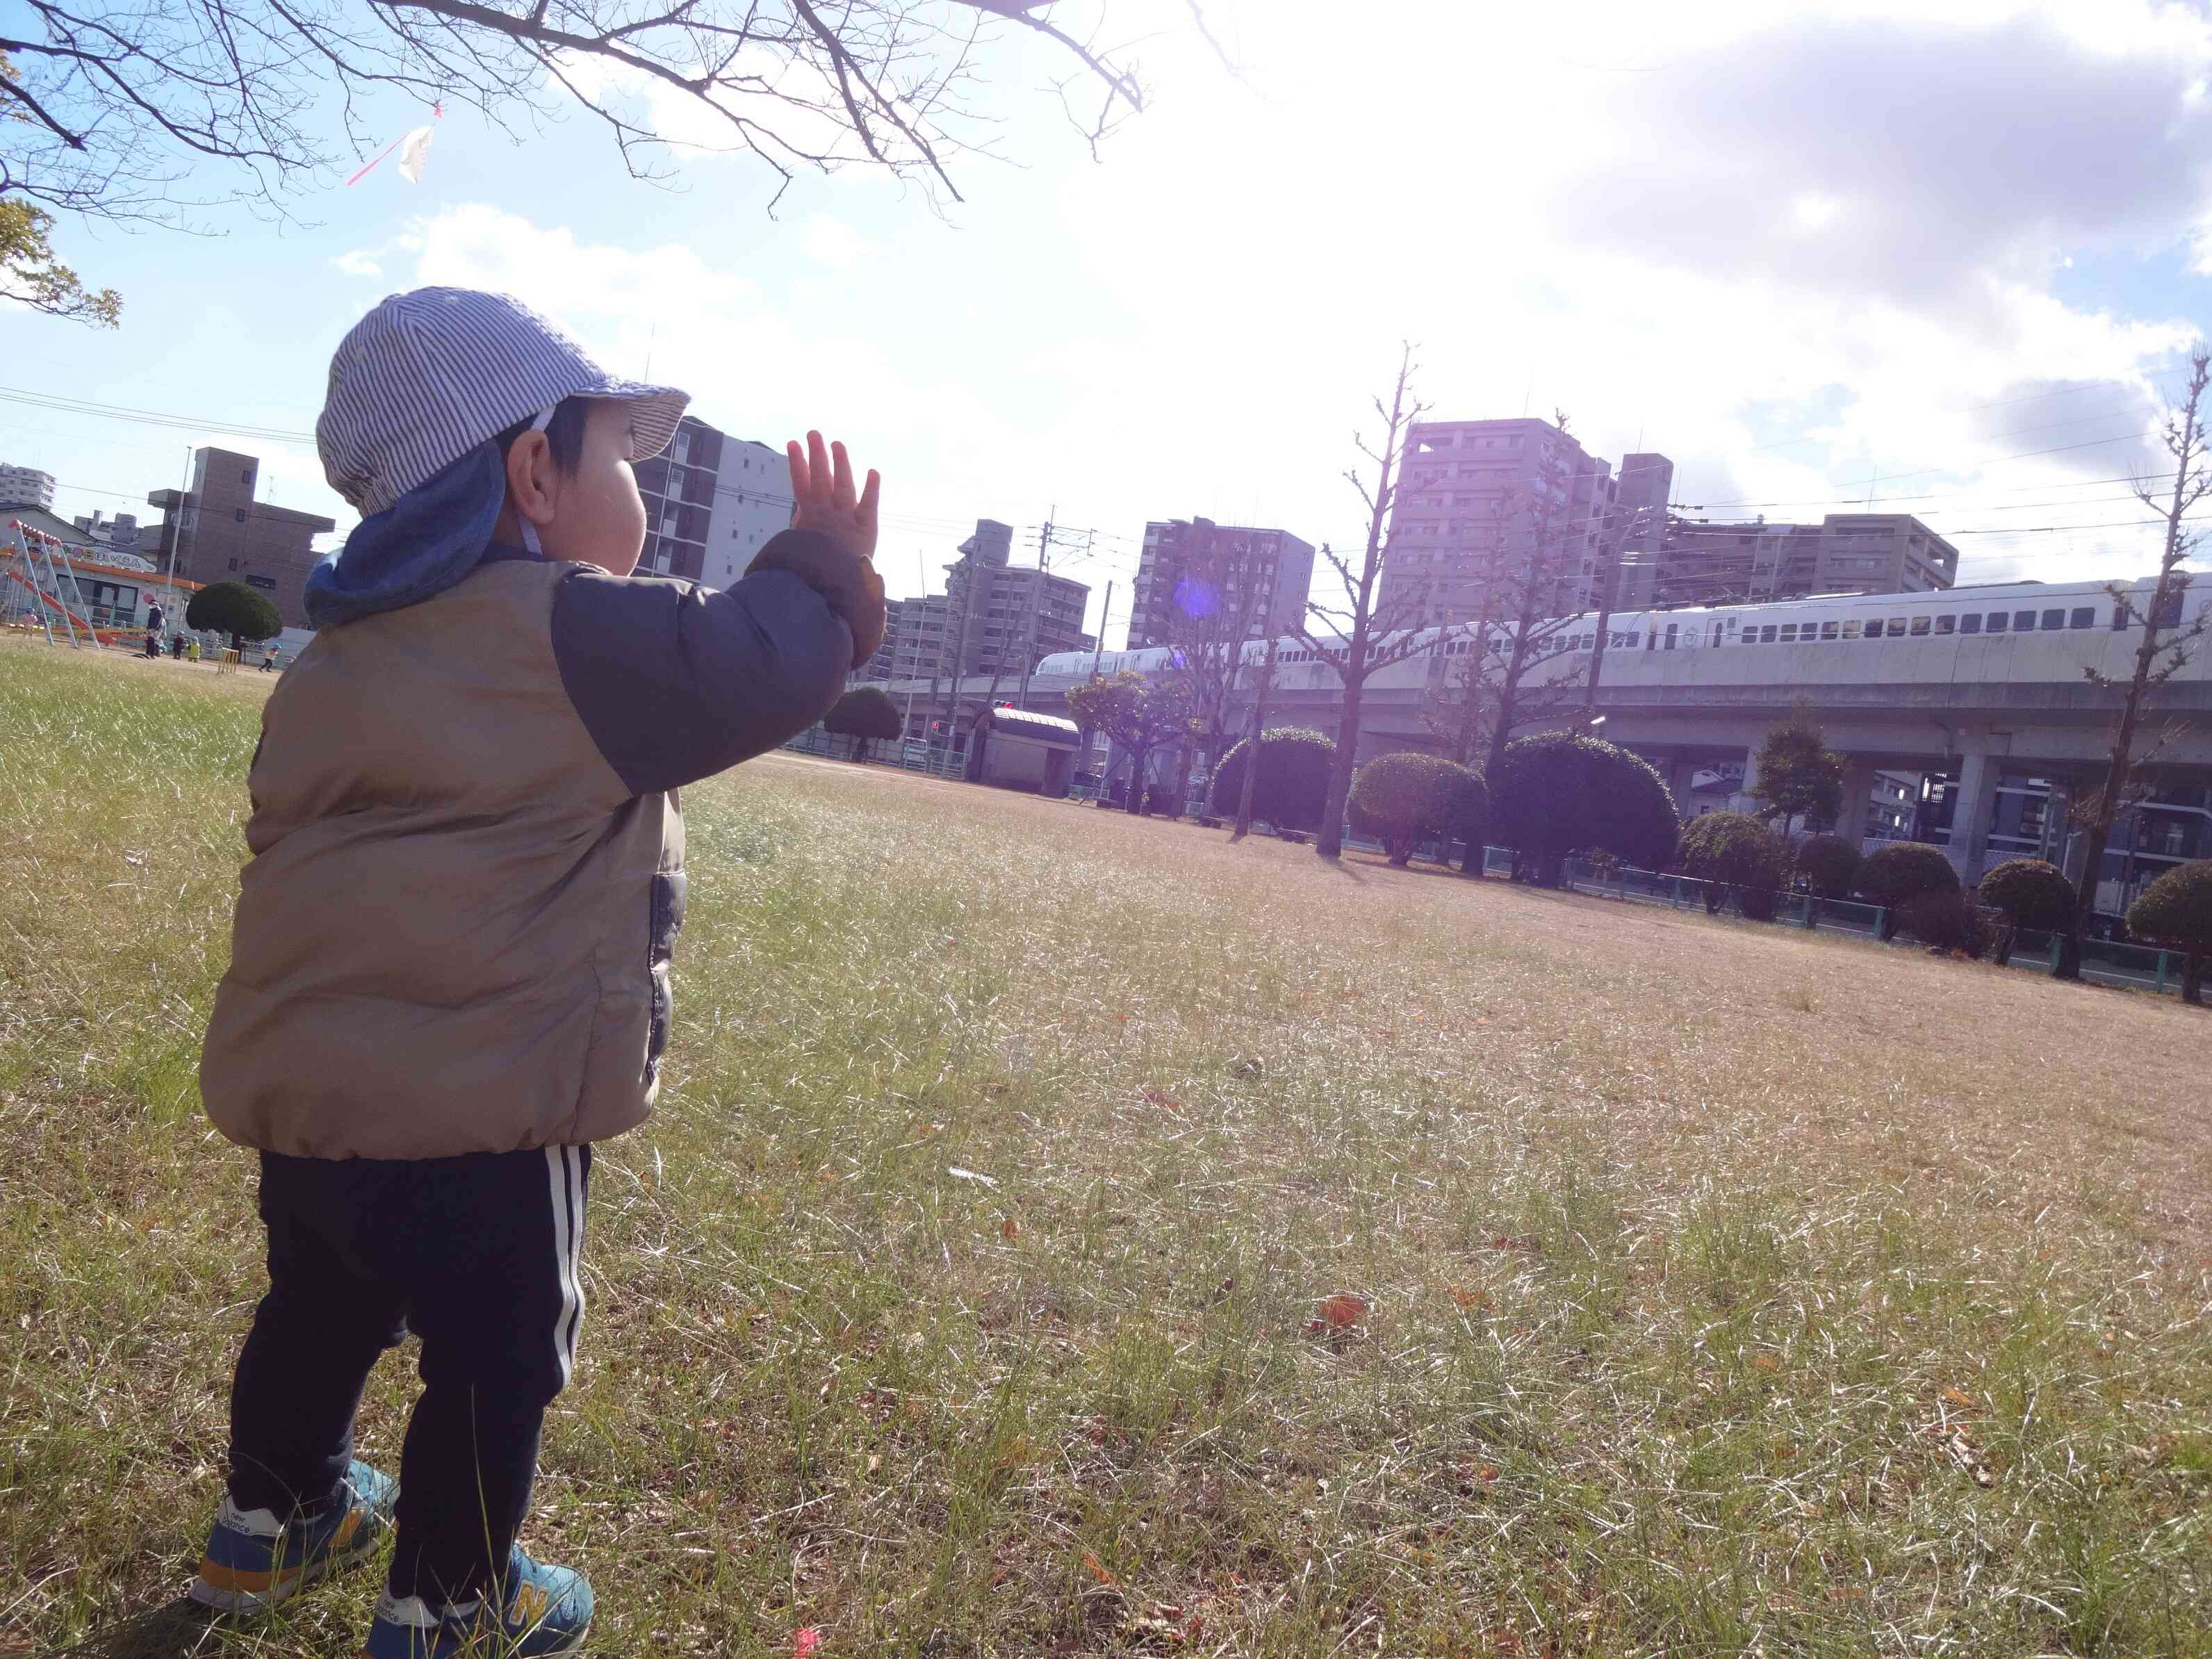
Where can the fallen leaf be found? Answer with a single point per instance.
(1165, 1101)
(1341, 1312)
(1008, 1231)
(1097, 1572)
(1959, 1397)
(1766, 1362)
(1470, 1299)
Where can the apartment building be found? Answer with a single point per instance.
(710, 501)
(1013, 615)
(1462, 519)
(26, 486)
(217, 530)
(1263, 574)
(1844, 553)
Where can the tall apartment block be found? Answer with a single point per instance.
(1638, 535)
(217, 532)
(26, 486)
(1263, 574)
(1014, 614)
(710, 501)
(1844, 553)
(1461, 520)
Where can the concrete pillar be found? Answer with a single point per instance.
(1970, 815)
(1858, 790)
(1741, 800)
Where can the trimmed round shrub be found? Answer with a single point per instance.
(1945, 921)
(2028, 893)
(1293, 780)
(1409, 796)
(2175, 914)
(1829, 864)
(1736, 854)
(1894, 875)
(235, 609)
(1559, 793)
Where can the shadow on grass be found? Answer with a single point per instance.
(180, 1629)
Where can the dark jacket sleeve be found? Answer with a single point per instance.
(675, 682)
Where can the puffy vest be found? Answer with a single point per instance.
(453, 935)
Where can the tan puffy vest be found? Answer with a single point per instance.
(453, 933)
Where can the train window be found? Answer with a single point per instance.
(2053, 620)
(1789, 632)
(1827, 630)
(1672, 629)
(2023, 621)
(2083, 617)
(2122, 617)
(1970, 624)
(1766, 635)
(1895, 628)
(1946, 624)
(1998, 620)
(1919, 628)
(1851, 628)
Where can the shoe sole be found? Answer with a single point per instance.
(252, 1602)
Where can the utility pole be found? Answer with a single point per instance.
(968, 562)
(1609, 582)
(1037, 599)
(1252, 743)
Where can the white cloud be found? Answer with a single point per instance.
(360, 262)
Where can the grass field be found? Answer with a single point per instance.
(1699, 1287)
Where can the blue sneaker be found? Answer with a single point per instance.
(546, 1611)
(254, 1560)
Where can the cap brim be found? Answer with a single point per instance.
(652, 422)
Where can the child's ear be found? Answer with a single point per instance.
(530, 476)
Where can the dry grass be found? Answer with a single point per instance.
(1699, 1286)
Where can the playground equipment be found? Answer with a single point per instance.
(38, 552)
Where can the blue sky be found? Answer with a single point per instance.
(1950, 254)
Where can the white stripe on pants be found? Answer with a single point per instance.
(564, 1176)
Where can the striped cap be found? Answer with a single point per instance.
(426, 376)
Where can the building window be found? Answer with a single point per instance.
(240, 514)
(246, 478)
(234, 564)
(1970, 624)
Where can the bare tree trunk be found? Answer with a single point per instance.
(1329, 841)
(1252, 746)
(2184, 441)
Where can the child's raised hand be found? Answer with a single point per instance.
(823, 500)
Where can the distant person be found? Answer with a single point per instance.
(450, 963)
(269, 660)
(155, 619)
(192, 648)
(177, 645)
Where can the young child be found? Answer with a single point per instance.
(449, 972)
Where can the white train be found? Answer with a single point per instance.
(2021, 631)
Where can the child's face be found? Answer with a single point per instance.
(597, 517)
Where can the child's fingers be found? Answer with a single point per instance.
(868, 497)
(842, 485)
(797, 457)
(817, 464)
